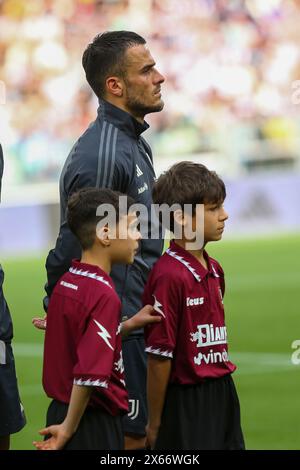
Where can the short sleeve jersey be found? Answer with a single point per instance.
(192, 332)
(83, 339)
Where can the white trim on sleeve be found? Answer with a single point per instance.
(91, 383)
(159, 352)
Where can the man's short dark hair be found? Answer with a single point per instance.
(105, 56)
(188, 183)
(82, 207)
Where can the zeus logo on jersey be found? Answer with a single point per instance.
(197, 301)
(208, 335)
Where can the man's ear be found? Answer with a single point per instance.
(114, 86)
(103, 235)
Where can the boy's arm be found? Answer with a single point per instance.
(61, 433)
(158, 375)
(143, 317)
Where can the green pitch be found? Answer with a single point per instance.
(262, 309)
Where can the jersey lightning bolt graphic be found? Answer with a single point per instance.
(157, 306)
(104, 334)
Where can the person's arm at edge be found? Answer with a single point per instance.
(158, 374)
(62, 433)
(143, 317)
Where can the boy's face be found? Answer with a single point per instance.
(214, 222)
(126, 244)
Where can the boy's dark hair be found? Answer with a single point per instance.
(105, 56)
(82, 208)
(188, 183)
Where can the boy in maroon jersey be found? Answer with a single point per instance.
(83, 364)
(192, 401)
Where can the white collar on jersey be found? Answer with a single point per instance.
(184, 262)
(188, 266)
(80, 272)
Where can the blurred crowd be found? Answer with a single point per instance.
(229, 67)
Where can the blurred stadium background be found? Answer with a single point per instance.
(231, 102)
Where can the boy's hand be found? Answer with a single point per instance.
(59, 438)
(143, 317)
(40, 323)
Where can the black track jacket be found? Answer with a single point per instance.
(110, 154)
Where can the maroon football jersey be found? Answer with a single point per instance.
(83, 339)
(192, 332)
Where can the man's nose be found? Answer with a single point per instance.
(159, 78)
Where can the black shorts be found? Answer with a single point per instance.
(97, 430)
(12, 417)
(135, 365)
(205, 416)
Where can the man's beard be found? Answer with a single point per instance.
(140, 109)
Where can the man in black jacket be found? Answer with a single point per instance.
(113, 154)
(12, 418)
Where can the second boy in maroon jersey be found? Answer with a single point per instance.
(192, 400)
